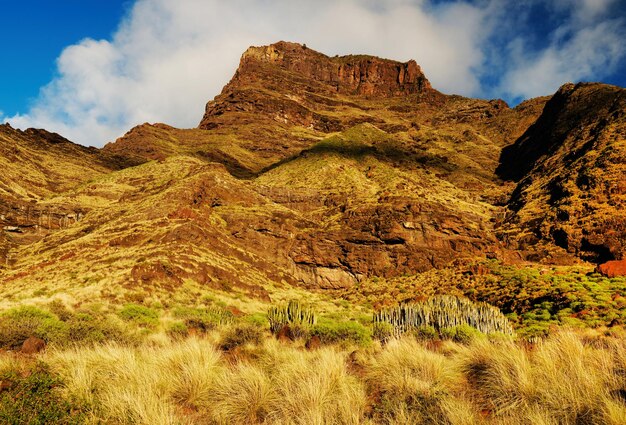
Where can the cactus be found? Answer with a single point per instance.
(445, 311)
(290, 314)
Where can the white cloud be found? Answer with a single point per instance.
(584, 11)
(587, 46)
(168, 58)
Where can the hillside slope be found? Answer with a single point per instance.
(305, 171)
(571, 172)
(36, 165)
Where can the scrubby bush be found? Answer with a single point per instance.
(342, 332)
(463, 334)
(241, 334)
(382, 331)
(426, 333)
(258, 319)
(93, 328)
(59, 309)
(177, 330)
(17, 324)
(31, 398)
(140, 315)
(203, 319)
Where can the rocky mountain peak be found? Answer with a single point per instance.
(352, 74)
(294, 85)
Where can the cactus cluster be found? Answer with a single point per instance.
(442, 312)
(221, 316)
(293, 314)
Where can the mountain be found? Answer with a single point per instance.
(37, 165)
(317, 172)
(570, 172)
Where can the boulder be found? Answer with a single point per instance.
(313, 343)
(613, 268)
(33, 345)
(285, 334)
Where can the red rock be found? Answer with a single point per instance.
(313, 343)
(285, 334)
(366, 75)
(613, 268)
(33, 345)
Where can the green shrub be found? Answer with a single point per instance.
(241, 334)
(177, 330)
(426, 333)
(60, 310)
(342, 332)
(300, 330)
(32, 399)
(92, 328)
(463, 334)
(382, 331)
(258, 319)
(17, 324)
(140, 315)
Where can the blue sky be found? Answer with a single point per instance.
(35, 32)
(92, 69)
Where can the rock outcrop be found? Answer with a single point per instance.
(571, 174)
(614, 268)
(33, 345)
(353, 75)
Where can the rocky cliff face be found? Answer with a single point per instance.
(362, 75)
(571, 174)
(287, 85)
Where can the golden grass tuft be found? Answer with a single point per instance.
(314, 387)
(567, 379)
(138, 385)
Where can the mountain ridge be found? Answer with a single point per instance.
(305, 170)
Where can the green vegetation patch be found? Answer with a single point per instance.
(239, 335)
(538, 299)
(332, 332)
(535, 298)
(31, 397)
(18, 324)
(140, 315)
(58, 327)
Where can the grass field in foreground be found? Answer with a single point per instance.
(236, 375)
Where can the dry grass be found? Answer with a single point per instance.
(191, 382)
(564, 380)
(568, 379)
